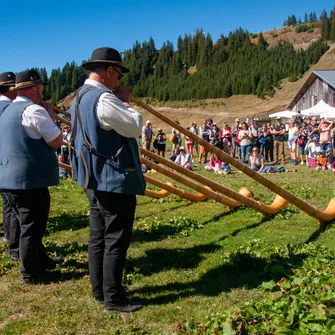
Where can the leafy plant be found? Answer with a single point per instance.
(301, 302)
(181, 226)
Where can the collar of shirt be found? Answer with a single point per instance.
(95, 84)
(21, 98)
(4, 98)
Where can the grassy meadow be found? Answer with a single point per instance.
(199, 268)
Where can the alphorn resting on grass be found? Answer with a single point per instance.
(321, 215)
(170, 188)
(158, 194)
(226, 196)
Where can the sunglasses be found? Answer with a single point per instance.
(120, 75)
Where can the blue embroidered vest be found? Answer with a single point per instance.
(3, 105)
(25, 163)
(121, 175)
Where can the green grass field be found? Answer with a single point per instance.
(200, 268)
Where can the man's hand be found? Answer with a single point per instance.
(123, 93)
(49, 109)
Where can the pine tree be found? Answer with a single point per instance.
(311, 18)
(325, 25)
(332, 25)
(315, 19)
(262, 42)
(294, 20)
(305, 18)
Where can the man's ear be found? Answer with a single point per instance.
(109, 71)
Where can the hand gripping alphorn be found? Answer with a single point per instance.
(230, 198)
(323, 216)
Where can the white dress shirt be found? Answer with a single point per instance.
(37, 122)
(113, 114)
(4, 98)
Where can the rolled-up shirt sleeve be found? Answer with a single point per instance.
(38, 124)
(113, 114)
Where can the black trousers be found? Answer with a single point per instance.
(11, 226)
(6, 214)
(32, 209)
(268, 149)
(111, 223)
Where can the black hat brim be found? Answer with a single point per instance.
(92, 64)
(7, 84)
(31, 85)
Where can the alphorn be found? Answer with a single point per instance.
(158, 194)
(170, 188)
(59, 118)
(232, 199)
(321, 215)
(201, 189)
(67, 122)
(60, 111)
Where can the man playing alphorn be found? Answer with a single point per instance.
(106, 164)
(28, 166)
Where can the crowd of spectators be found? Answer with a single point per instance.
(261, 144)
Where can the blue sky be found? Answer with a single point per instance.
(48, 34)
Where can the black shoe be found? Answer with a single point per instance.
(5, 238)
(99, 298)
(51, 263)
(128, 308)
(15, 258)
(43, 277)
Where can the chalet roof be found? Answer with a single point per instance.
(328, 76)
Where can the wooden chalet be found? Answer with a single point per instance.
(319, 85)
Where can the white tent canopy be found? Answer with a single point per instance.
(329, 115)
(287, 114)
(321, 108)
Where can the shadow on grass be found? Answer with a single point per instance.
(75, 256)
(172, 208)
(66, 222)
(242, 271)
(163, 231)
(157, 260)
(66, 249)
(237, 231)
(73, 275)
(219, 216)
(321, 229)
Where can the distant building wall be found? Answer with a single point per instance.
(319, 90)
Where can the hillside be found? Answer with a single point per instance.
(226, 109)
(300, 41)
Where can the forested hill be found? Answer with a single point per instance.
(200, 68)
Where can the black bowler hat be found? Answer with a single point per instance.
(28, 78)
(7, 79)
(105, 56)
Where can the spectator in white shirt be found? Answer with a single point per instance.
(184, 159)
(313, 148)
